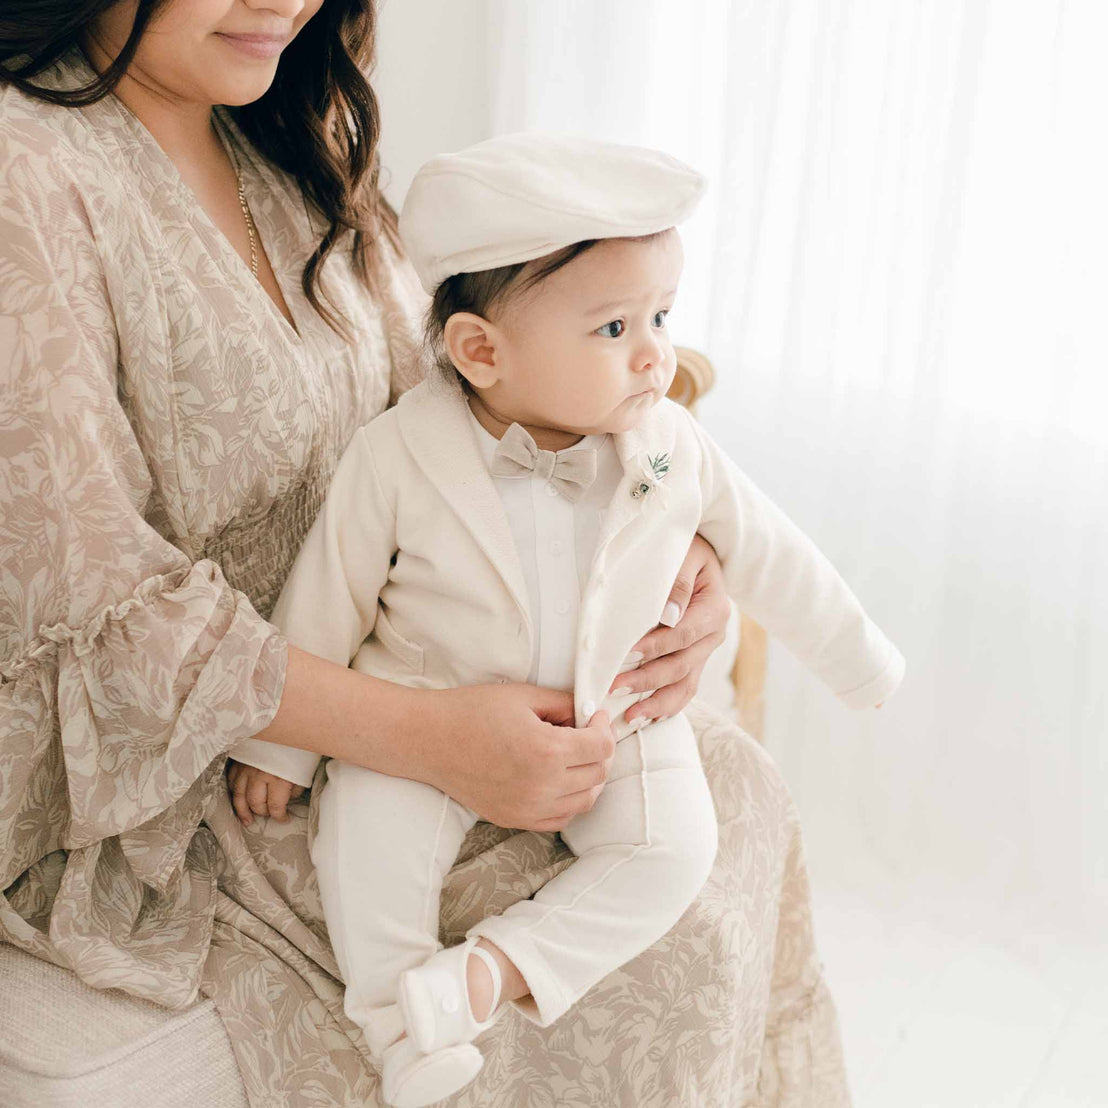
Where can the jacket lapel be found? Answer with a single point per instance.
(435, 424)
(654, 437)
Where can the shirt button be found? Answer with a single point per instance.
(551, 490)
(557, 546)
(588, 709)
(562, 608)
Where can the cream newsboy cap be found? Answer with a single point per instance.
(521, 196)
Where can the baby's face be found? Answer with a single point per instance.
(587, 350)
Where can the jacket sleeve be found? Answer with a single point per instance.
(329, 603)
(776, 574)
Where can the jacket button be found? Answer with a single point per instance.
(589, 709)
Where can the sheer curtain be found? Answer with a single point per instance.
(901, 275)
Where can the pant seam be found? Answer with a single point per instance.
(639, 847)
(432, 925)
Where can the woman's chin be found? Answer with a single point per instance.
(239, 88)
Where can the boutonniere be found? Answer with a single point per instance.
(647, 482)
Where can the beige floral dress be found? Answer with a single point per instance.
(166, 438)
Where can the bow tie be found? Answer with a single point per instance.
(570, 472)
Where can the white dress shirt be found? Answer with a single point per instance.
(556, 540)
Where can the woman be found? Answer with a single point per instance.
(199, 308)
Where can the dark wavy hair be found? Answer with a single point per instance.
(318, 121)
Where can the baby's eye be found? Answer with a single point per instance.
(660, 317)
(611, 330)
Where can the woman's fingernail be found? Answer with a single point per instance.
(661, 719)
(621, 692)
(632, 660)
(671, 614)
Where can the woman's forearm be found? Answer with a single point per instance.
(509, 752)
(335, 711)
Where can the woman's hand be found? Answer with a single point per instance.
(694, 623)
(263, 794)
(511, 753)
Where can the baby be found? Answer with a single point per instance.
(521, 516)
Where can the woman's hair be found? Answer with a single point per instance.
(318, 121)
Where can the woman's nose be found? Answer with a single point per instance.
(286, 9)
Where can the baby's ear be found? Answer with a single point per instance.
(471, 343)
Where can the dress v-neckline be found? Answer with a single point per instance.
(234, 266)
(231, 140)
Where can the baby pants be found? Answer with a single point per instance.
(643, 853)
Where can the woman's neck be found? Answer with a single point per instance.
(184, 129)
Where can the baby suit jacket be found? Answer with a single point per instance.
(410, 572)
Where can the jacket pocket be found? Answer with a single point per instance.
(409, 653)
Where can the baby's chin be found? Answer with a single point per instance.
(631, 414)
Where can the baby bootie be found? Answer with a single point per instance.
(412, 1079)
(381, 1027)
(434, 998)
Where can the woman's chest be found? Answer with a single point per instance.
(241, 418)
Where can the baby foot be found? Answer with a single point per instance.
(435, 998)
(412, 1079)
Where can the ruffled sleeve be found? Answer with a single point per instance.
(125, 669)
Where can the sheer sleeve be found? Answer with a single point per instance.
(125, 670)
(403, 304)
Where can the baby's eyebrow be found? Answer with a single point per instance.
(611, 305)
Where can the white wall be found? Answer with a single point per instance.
(432, 61)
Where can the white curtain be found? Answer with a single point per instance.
(901, 275)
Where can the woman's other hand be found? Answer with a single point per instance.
(263, 794)
(693, 624)
(511, 753)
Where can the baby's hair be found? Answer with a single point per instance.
(480, 293)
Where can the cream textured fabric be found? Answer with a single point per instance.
(66, 1045)
(165, 441)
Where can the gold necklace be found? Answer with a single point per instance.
(250, 230)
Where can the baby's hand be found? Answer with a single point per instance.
(264, 794)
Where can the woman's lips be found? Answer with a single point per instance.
(256, 46)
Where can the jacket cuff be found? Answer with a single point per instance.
(881, 687)
(297, 766)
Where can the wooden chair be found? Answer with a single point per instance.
(695, 376)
